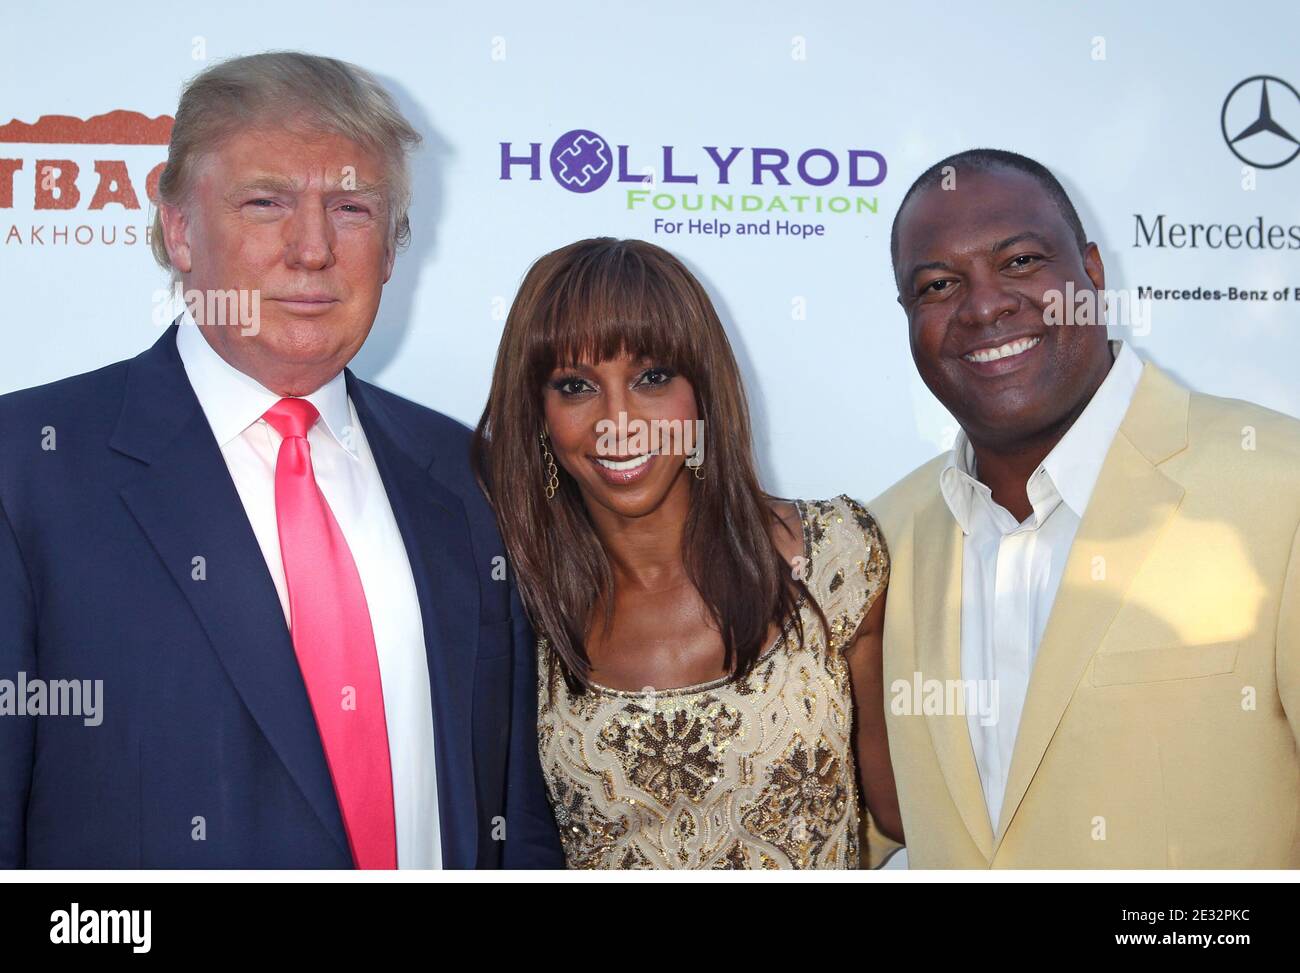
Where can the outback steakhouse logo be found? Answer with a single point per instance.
(90, 169)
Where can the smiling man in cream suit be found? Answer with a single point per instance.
(1092, 641)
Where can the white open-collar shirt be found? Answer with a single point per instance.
(1011, 571)
(347, 475)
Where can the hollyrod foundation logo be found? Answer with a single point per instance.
(580, 161)
(746, 191)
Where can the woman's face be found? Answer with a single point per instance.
(622, 429)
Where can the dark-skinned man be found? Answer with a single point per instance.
(1092, 642)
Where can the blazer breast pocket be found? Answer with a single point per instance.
(1164, 663)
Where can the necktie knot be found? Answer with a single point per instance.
(292, 417)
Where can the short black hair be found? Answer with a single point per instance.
(985, 160)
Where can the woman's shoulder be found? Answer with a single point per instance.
(841, 522)
(847, 560)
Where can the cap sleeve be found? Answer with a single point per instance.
(848, 563)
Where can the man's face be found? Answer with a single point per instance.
(977, 267)
(301, 218)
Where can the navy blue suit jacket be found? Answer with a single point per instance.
(208, 754)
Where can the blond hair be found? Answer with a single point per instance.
(329, 94)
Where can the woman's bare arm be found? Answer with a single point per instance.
(875, 773)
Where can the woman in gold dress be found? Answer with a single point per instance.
(709, 690)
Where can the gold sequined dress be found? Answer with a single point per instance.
(756, 773)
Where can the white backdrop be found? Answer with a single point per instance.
(1124, 104)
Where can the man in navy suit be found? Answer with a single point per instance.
(285, 580)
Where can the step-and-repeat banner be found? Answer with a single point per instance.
(769, 146)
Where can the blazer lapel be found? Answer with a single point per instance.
(186, 504)
(937, 565)
(1130, 507)
(435, 531)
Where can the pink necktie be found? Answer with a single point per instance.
(334, 643)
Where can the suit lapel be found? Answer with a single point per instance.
(1130, 507)
(937, 561)
(434, 528)
(186, 504)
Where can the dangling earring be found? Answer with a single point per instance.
(552, 475)
(699, 470)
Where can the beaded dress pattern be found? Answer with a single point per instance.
(752, 773)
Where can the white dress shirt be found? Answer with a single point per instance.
(346, 473)
(1011, 571)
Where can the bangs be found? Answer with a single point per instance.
(586, 304)
(612, 301)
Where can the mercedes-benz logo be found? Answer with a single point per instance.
(1260, 121)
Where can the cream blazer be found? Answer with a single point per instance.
(1161, 722)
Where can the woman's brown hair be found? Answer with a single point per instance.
(592, 301)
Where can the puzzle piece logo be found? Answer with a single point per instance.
(581, 161)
